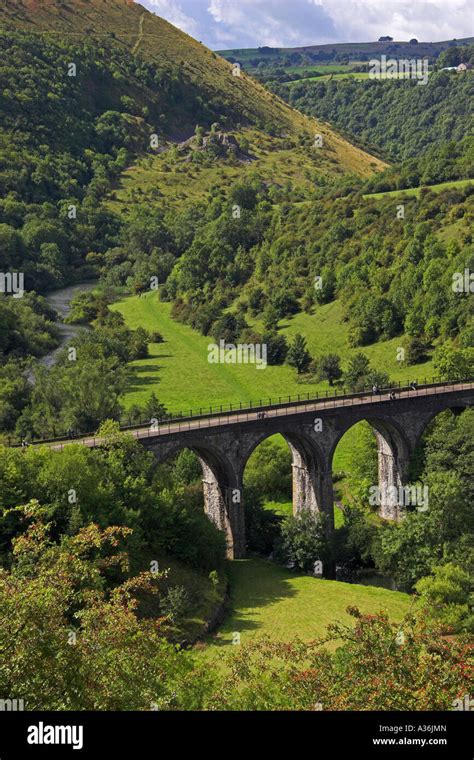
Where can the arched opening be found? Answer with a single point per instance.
(442, 424)
(375, 452)
(430, 421)
(284, 476)
(210, 486)
(268, 473)
(369, 461)
(354, 462)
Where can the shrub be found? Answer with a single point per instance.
(378, 665)
(175, 604)
(446, 596)
(277, 347)
(64, 632)
(329, 368)
(298, 355)
(415, 350)
(303, 541)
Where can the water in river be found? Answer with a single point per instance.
(60, 301)
(373, 578)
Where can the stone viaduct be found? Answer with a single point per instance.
(223, 442)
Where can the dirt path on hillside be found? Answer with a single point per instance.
(140, 34)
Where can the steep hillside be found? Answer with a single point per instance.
(206, 79)
(397, 117)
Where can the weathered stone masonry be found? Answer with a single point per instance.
(224, 452)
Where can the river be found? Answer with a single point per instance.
(60, 301)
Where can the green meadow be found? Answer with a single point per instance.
(320, 68)
(269, 600)
(285, 508)
(334, 72)
(336, 75)
(415, 191)
(179, 373)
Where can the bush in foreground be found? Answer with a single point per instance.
(66, 643)
(379, 665)
(71, 641)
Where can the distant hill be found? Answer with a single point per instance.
(338, 52)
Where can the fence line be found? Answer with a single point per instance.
(233, 411)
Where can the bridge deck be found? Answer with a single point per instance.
(237, 417)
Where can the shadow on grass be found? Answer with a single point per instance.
(254, 584)
(136, 380)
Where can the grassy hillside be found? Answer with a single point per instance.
(267, 599)
(415, 191)
(180, 375)
(154, 40)
(161, 179)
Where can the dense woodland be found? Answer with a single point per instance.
(389, 275)
(399, 118)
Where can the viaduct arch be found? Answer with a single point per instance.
(312, 430)
(224, 442)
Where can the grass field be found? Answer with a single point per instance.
(342, 74)
(415, 191)
(267, 599)
(178, 372)
(285, 509)
(346, 75)
(338, 75)
(320, 68)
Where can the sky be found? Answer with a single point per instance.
(223, 24)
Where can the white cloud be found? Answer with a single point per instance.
(428, 20)
(278, 23)
(173, 12)
(293, 23)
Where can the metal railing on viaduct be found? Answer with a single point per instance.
(216, 416)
